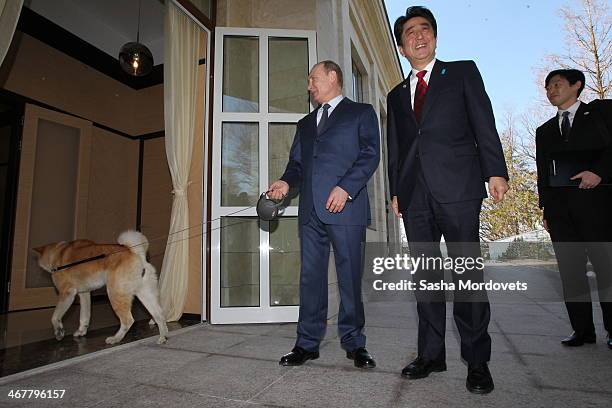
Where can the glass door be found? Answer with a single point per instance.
(260, 94)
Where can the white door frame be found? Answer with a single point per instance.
(264, 313)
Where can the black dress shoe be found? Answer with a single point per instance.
(298, 356)
(421, 368)
(479, 379)
(362, 358)
(577, 340)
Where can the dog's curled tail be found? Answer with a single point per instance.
(136, 242)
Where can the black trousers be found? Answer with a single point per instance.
(425, 221)
(580, 227)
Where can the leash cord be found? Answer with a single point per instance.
(127, 248)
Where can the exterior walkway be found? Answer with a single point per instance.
(237, 366)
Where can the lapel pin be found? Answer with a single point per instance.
(586, 113)
(404, 86)
(443, 71)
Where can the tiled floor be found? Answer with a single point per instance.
(237, 366)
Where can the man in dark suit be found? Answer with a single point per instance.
(443, 147)
(574, 161)
(335, 152)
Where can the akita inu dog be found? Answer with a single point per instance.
(123, 268)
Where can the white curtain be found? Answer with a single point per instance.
(9, 15)
(181, 48)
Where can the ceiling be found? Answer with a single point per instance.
(108, 24)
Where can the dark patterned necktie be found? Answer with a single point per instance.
(565, 126)
(419, 94)
(324, 116)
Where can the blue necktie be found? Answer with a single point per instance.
(321, 124)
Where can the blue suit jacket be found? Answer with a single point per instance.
(456, 144)
(345, 154)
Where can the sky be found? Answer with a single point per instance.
(506, 39)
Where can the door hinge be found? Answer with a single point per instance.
(8, 287)
(22, 120)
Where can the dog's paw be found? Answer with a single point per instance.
(59, 333)
(112, 340)
(162, 340)
(80, 333)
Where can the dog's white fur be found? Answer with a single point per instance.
(125, 272)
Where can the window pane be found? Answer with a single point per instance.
(280, 138)
(240, 74)
(288, 75)
(239, 164)
(239, 262)
(284, 262)
(357, 84)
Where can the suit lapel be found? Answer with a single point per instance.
(337, 112)
(406, 98)
(555, 129)
(311, 123)
(433, 87)
(579, 117)
(553, 126)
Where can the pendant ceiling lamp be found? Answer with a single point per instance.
(134, 57)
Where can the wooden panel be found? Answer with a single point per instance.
(113, 186)
(49, 76)
(147, 110)
(20, 296)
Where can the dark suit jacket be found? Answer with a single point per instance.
(590, 139)
(456, 144)
(345, 154)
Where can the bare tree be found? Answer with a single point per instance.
(519, 212)
(530, 120)
(588, 45)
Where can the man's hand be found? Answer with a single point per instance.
(337, 200)
(278, 190)
(587, 179)
(395, 207)
(498, 186)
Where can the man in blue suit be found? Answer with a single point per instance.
(443, 147)
(335, 152)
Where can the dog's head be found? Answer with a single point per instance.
(48, 255)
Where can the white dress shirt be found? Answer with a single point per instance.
(332, 105)
(414, 79)
(572, 113)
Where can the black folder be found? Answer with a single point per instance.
(565, 165)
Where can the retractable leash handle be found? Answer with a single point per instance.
(267, 208)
